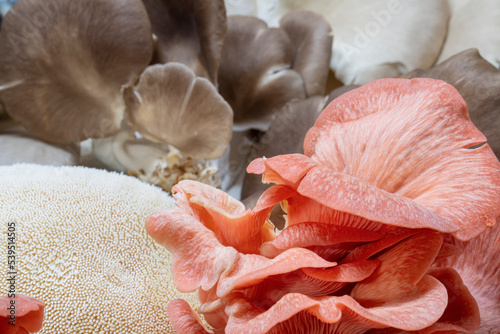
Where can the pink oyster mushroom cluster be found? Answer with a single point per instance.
(393, 178)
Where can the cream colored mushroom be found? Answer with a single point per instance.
(64, 64)
(474, 24)
(83, 250)
(479, 83)
(159, 164)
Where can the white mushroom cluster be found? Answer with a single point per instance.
(83, 250)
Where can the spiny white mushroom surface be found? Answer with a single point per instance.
(82, 249)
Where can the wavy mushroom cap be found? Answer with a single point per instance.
(394, 152)
(262, 68)
(189, 32)
(385, 176)
(301, 279)
(62, 66)
(83, 249)
(171, 105)
(478, 82)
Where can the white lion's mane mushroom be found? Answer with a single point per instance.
(64, 63)
(171, 105)
(83, 249)
(190, 32)
(264, 68)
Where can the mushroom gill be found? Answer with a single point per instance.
(83, 249)
(478, 82)
(63, 67)
(170, 104)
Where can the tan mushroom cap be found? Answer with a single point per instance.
(170, 104)
(64, 64)
(190, 32)
(479, 84)
(255, 76)
(311, 36)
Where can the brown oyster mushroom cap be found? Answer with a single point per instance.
(285, 135)
(62, 66)
(255, 76)
(170, 104)
(190, 32)
(479, 84)
(312, 39)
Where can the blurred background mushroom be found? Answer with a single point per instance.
(262, 70)
(373, 39)
(387, 38)
(474, 24)
(479, 83)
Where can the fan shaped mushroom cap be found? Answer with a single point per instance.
(171, 105)
(311, 38)
(479, 83)
(425, 174)
(63, 66)
(256, 75)
(190, 32)
(83, 249)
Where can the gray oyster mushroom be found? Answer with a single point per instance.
(63, 68)
(263, 68)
